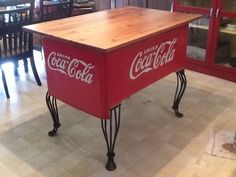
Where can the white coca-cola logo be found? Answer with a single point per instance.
(152, 58)
(74, 68)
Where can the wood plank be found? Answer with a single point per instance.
(112, 29)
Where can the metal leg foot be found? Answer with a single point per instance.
(111, 136)
(52, 106)
(181, 86)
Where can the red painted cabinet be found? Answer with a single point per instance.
(212, 39)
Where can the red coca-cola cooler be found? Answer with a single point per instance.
(94, 80)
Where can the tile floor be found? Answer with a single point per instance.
(151, 141)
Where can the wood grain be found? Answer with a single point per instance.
(112, 29)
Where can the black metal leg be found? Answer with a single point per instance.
(52, 106)
(111, 136)
(181, 86)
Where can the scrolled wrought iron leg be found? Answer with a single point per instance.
(52, 106)
(181, 86)
(110, 136)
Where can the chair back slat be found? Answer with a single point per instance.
(10, 44)
(20, 41)
(15, 42)
(5, 45)
(25, 34)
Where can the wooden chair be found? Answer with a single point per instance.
(51, 10)
(83, 7)
(16, 44)
(154, 4)
(143, 3)
(138, 3)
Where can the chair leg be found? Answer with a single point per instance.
(5, 84)
(26, 65)
(16, 66)
(36, 76)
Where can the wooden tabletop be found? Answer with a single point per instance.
(112, 29)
